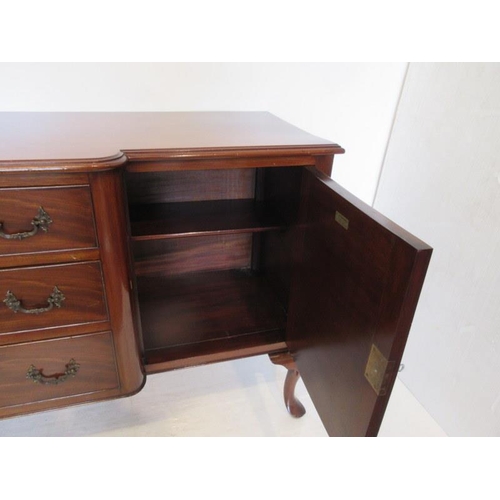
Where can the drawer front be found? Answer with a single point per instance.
(51, 296)
(46, 219)
(53, 369)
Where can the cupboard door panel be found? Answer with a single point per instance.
(355, 287)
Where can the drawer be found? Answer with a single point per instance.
(46, 219)
(51, 296)
(53, 369)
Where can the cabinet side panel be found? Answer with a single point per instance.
(325, 164)
(281, 191)
(109, 202)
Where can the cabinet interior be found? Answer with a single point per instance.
(212, 254)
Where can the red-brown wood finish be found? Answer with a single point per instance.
(47, 258)
(82, 287)
(96, 372)
(200, 307)
(14, 179)
(355, 285)
(216, 238)
(83, 142)
(201, 218)
(281, 191)
(240, 159)
(172, 257)
(55, 333)
(70, 211)
(241, 346)
(164, 186)
(293, 405)
(324, 164)
(109, 202)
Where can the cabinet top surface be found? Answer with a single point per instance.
(101, 138)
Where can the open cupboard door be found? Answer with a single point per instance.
(355, 287)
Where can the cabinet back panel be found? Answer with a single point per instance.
(168, 187)
(281, 190)
(203, 253)
(202, 307)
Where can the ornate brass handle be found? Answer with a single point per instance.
(41, 221)
(39, 378)
(14, 304)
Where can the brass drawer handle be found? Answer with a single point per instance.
(14, 304)
(41, 221)
(57, 378)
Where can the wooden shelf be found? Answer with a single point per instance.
(187, 315)
(173, 220)
(241, 346)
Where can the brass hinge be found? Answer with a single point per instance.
(377, 370)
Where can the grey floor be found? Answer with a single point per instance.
(235, 398)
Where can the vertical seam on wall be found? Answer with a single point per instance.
(396, 109)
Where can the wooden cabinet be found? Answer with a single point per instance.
(199, 237)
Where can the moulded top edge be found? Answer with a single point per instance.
(97, 141)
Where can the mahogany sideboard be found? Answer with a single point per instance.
(135, 243)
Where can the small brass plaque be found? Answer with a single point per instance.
(375, 370)
(343, 221)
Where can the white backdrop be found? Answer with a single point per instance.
(441, 180)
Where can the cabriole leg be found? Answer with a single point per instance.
(293, 405)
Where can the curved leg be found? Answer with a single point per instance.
(293, 405)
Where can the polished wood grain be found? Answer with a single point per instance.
(70, 209)
(69, 164)
(55, 333)
(94, 141)
(293, 405)
(324, 163)
(13, 179)
(187, 255)
(240, 159)
(199, 185)
(353, 288)
(281, 191)
(174, 220)
(108, 195)
(96, 373)
(200, 307)
(219, 235)
(81, 285)
(242, 346)
(47, 258)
